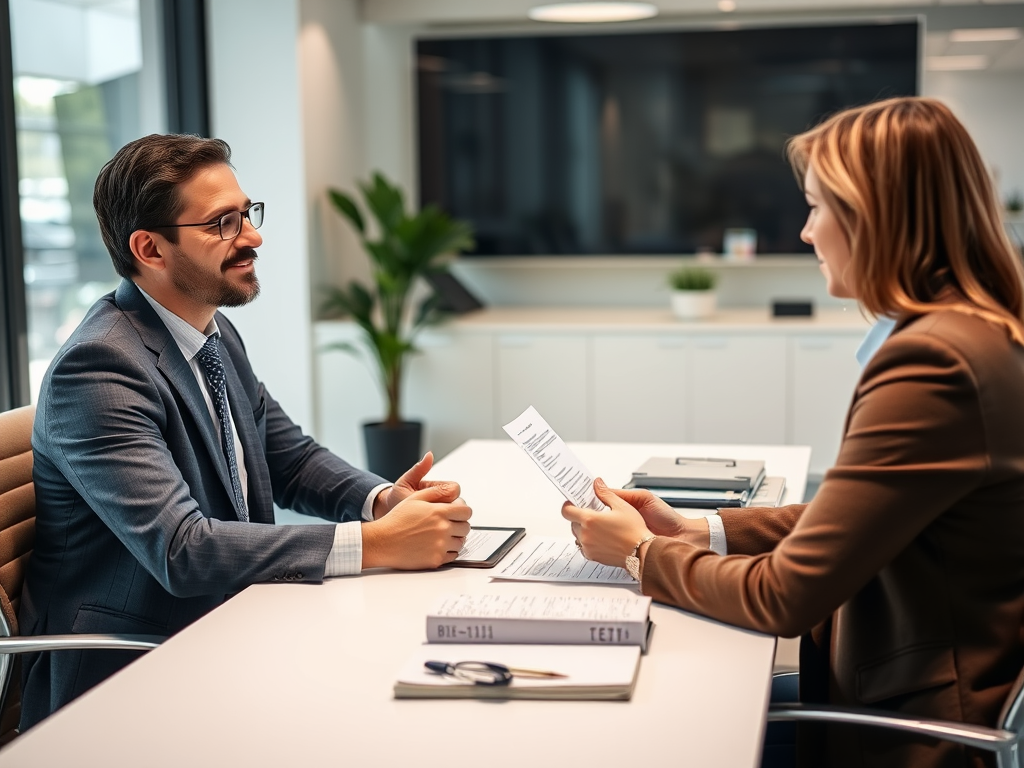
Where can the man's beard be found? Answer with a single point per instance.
(193, 281)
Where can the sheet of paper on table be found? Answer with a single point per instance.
(539, 558)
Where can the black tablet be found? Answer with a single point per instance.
(485, 546)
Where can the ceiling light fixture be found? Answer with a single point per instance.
(948, 63)
(727, 6)
(990, 35)
(593, 12)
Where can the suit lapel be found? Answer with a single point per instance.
(260, 500)
(172, 364)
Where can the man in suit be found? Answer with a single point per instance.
(159, 454)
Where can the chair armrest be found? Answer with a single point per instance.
(991, 739)
(36, 643)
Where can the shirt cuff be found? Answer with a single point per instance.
(367, 513)
(716, 530)
(346, 555)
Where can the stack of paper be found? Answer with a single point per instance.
(569, 619)
(590, 672)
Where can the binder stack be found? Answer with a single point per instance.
(708, 483)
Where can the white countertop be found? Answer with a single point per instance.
(659, 320)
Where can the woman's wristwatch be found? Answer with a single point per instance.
(632, 561)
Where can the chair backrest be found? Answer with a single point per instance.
(17, 535)
(1012, 716)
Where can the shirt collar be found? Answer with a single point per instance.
(188, 339)
(874, 339)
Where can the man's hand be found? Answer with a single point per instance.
(426, 529)
(405, 486)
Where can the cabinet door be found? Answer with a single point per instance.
(824, 374)
(737, 389)
(549, 372)
(639, 386)
(450, 387)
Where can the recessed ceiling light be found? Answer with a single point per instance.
(593, 12)
(991, 35)
(727, 6)
(955, 62)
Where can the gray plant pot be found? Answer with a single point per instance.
(390, 451)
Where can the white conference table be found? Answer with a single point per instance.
(302, 674)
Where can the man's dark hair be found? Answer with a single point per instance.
(138, 188)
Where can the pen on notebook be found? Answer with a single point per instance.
(524, 672)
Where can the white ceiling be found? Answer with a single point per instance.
(941, 17)
(490, 11)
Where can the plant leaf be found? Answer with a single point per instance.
(348, 209)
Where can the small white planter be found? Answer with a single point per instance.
(693, 305)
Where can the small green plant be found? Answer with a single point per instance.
(1015, 202)
(693, 279)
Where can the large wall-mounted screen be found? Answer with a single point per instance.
(640, 143)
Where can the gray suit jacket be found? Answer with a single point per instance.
(136, 528)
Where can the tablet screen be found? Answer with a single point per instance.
(485, 546)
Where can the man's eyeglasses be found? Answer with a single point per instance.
(230, 224)
(485, 672)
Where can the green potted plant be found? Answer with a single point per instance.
(693, 292)
(403, 247)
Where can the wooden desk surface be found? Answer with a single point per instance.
(297, 674)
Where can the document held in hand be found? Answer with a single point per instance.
(588, 672)
(553, 619)
(554, 458)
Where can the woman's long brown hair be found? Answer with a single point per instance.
(912, 194)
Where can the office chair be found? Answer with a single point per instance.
(1004, 740)
(17, 535)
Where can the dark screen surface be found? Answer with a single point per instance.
(644, 143)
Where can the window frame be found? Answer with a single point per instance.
(187, 94)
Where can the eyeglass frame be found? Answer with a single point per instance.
(219, 221)
(476, 672)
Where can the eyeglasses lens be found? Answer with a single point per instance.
(231, 223)
(256, 215)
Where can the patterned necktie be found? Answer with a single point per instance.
(209, 359)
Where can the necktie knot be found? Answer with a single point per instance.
(209, 356)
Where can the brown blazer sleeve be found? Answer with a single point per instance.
(915, 444)
(753, 530)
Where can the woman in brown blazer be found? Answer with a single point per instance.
(905, 573)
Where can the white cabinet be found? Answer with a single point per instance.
(823, 373)
(737, 389)
(610, 376)
(450, 387)
(639, 386)
(548, 371)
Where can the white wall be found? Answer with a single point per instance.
(262, 119)
(991, 107)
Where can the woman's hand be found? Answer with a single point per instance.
(610, 535)
(659, 517)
